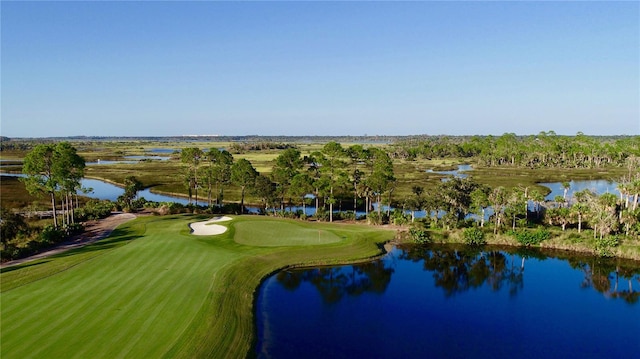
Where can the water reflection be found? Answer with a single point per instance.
(334, 283)
(458, 270)
(453, 302)
(609, 278)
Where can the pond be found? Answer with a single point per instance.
(441, 302)
(129, 160)
(455, 173)
(103, 190)
(598, 186)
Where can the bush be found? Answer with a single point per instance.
(419, 235)
(473, 236)
(375, 218)
(50, 235)
(94, 209)
(399, 218)
(604, 245)
(322, 215)
(528, 238)
(349, 215)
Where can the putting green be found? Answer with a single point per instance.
(272, 233)
(152, 290)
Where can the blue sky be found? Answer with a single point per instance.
(319, 68)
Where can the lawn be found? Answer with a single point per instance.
(153, 290)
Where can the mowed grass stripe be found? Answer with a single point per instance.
(166, 293)
(62, 303)
(138, 303)
(71, 295)
(75, 292)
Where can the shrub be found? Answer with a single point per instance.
(528, 238)
(419, 235)
(50, 235)
(604, 245)
(398, 217)
(473, 236)
(322, 215)
(349, 215)
(375, 218)
(94, 209)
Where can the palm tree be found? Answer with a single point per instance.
(565, 185)
(581, 206)
(498, 199)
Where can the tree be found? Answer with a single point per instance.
(69, 169)
(220, 163)
(558, 216)
(332, 169)
(131, 187)
(265, 189)
(498, 199)
(416, 203)
(301, 186)
(581, 207)
(455, 195)
(604, 217)
(192, 156)
(565, 186)
(52, 169)
(516, 202)
(288, 164)
(381, 179)
(629, 218)
(243, 174)
(357, 154)
(480, 202)
(38, 166)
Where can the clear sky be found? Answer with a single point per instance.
(319, 68)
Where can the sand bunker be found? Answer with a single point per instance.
(208, 228)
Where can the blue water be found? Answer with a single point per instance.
(439, 303)
(458, 173)
(597, 186)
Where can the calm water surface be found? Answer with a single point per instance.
(420, 302)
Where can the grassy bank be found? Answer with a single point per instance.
(569, 240)
(153, 290)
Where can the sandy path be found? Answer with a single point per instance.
(94, 231)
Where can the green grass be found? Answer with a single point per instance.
(153, 290)
(282, 233)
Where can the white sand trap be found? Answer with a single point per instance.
(207, 228)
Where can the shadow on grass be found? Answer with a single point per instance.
(116, 238)
(25, 265)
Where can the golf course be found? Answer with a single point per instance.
(153, 289)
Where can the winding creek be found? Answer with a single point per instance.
(439, 302)
(104, 190)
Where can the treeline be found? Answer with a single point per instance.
(243, 147)
(543, 150)
(324, 177)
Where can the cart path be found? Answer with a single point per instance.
(94, 231)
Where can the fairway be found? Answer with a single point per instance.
(153, 290)
(270, 232)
